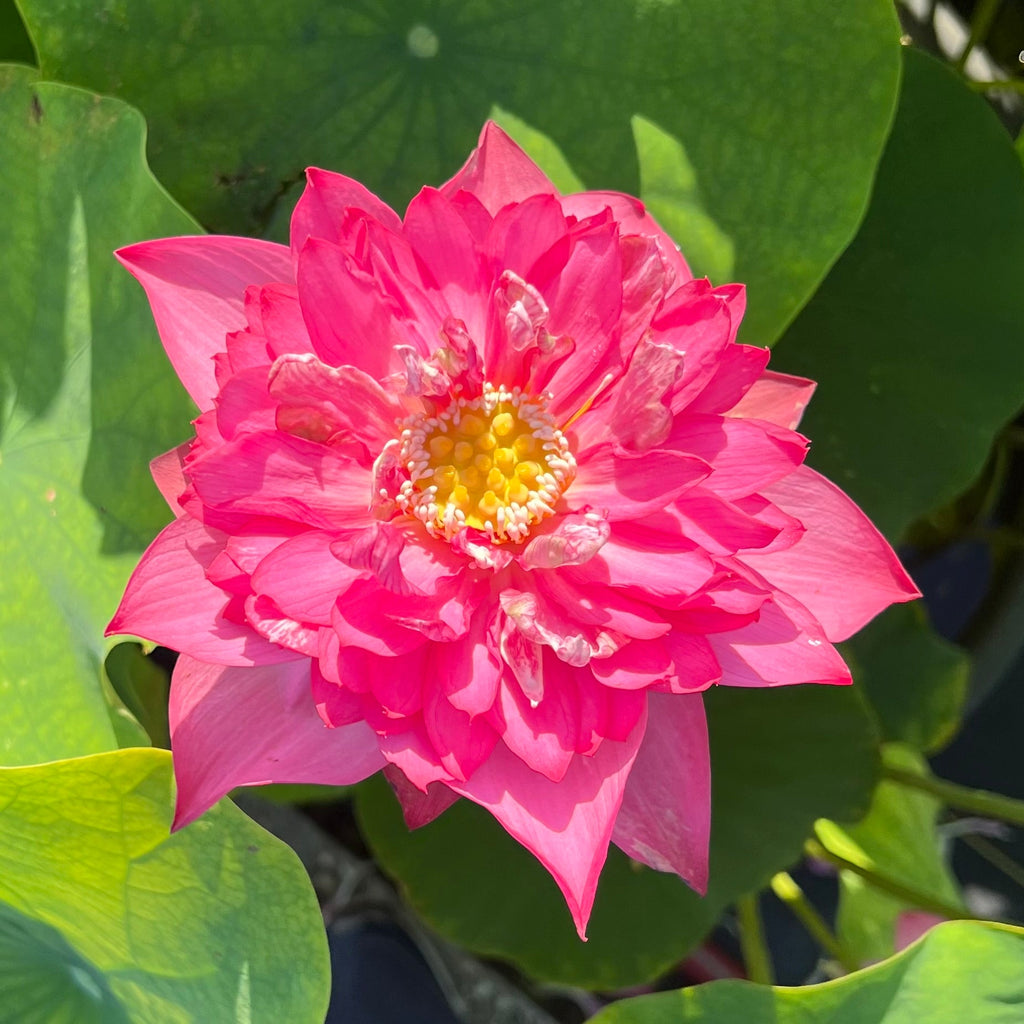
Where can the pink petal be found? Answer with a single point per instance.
(633, 219)
(640, 418)
(738, 369)
(627, 485)
(251, 726)
(784, 647)
(170, 601)
(351, 320)
(665, 817)
(270, 473)
(842, 569)
(319, 402)
(566, 824)
(443, 241)
(745, 455)
(571, 539)
(169, 476)
(322, 205)
(718, 526)
(303, 578)
(676, 663)
(777, 398)
(665, 568)
(418, 808)
(585, 301)
(413, 754)
(498, 172)
(196, 288)
(545, 736)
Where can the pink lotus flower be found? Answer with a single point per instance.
(485, 497)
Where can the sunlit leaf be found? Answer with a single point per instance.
(215, 923)
(86, 399)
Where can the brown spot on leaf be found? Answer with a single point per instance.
(37, 109)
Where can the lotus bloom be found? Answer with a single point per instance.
(485, 497)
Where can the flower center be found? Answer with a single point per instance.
(496, 463)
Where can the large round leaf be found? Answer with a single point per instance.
(917, 335)
(961, 971)
(215, 923)
(779, 760)
(86, 399)
(914, 679)
(240, 97)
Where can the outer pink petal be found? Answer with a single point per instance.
(303, 578)
(196, 287)
(784, 647)
(170, 601)
(566, 824)
(665, 817)
(320, 211)
(251, 726)
(777, 398)
(169, 476)
(842, 569)
(498, 172)
(418, 808)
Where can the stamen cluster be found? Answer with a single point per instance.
(496, 463)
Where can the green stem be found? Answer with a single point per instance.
(902, 892)
(755, 950)
(1013, 84)
(974, 801)
(999, 860)
(981, 22)
(785, 887)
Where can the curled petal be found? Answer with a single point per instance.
(570, 540)
(419, 809)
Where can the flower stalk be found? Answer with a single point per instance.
(786, 889)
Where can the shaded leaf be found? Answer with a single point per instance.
(241, 98)
(914, 679)
(917, 336)
(897, 838)
(669, 188)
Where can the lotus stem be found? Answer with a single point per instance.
(755, 949)
(785, 887)
(975, 801)
(906, 893)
